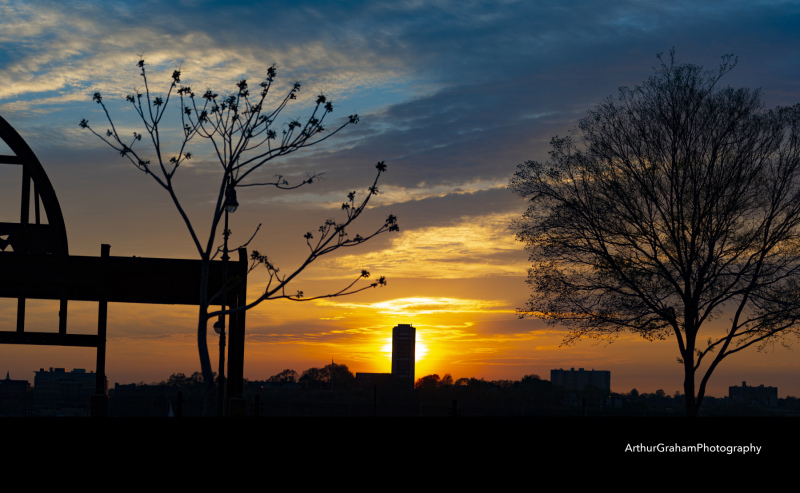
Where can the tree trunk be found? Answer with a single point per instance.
(688, 391)
(692, 401)
(688, 353)
(202, 341)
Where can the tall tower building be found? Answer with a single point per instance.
(403, 342)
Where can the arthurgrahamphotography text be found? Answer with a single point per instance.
(700, 447)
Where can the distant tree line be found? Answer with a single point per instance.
(329, 377)
(473, 395)
(181, 380)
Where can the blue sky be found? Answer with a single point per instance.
(451, 94)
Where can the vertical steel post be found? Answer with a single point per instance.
(100, 399)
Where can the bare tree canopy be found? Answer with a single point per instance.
(239, 129)
(679, 206)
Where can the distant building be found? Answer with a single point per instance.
(404, 340)
(10, 387)
(58, 384)
(369, 380)
(577, 380)
(759, 396)
(267, 385)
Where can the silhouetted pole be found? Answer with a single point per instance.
(99, 406)
(236, 405)
(231, 204)
(221, 322)
(24, 218)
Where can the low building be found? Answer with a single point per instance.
(369, 380)
(10, 388)
(577, 380)
(758, 396)
(57, 383)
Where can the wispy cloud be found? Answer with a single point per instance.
(476, 247)
(421, 306)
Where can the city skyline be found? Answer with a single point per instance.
(452, 97)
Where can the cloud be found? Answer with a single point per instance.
(420, 306)
(479, 246)
(64, 47)
(450, 92)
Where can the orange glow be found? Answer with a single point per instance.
(479, 247)
(420, 351)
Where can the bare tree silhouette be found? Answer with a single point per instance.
(684, 206)
(240, 129)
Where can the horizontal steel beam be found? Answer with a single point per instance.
(113, 279)
(49, 339)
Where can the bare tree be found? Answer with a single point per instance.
(681, 212)
(240, 130)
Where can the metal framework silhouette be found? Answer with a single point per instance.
(35, 264)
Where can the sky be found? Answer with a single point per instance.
(452, 95)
